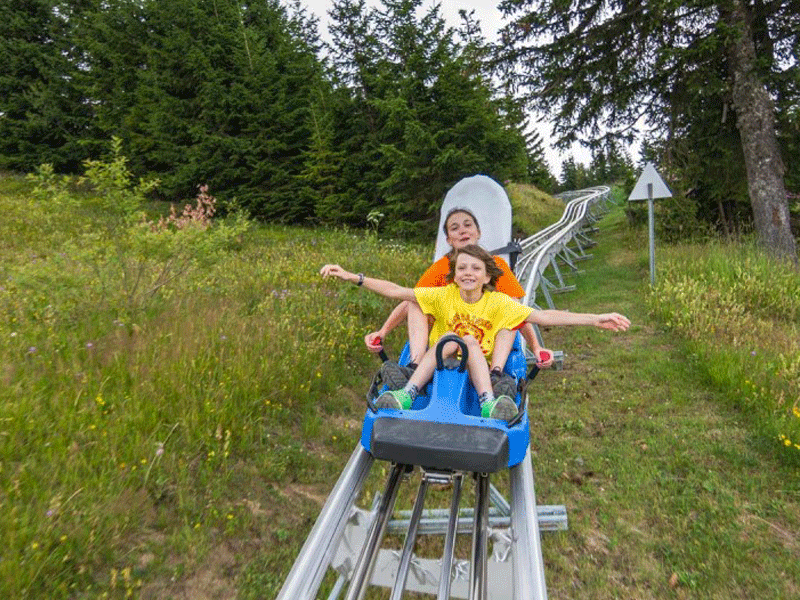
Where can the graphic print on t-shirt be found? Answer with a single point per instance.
(463, 324)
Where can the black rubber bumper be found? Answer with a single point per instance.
(440, 445)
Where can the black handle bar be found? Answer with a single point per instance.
(440, 348)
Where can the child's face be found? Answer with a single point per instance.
(470, 273)
(461, 230)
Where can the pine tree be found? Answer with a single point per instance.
(599, 66)
(203, 91)
(43, 110)
(414, 112)
(574, 175)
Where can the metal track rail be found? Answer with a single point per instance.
(309, 568)
(565, 241)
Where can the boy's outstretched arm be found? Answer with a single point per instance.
(613, 321)
(379, 286)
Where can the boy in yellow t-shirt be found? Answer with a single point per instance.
(482, 319)
(469, 308)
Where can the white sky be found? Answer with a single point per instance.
(491, 22)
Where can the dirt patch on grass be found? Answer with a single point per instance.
(316, 493)
(753, 525)
(212, 580)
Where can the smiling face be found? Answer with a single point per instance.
(461, 230)
(470, 273)
(473, 269)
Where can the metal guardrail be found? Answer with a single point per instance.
(563, 243)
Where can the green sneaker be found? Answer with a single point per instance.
(501, 407)
(399, 399)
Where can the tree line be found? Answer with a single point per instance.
(246, 98)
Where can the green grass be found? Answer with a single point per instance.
(183, 447)
(671, 491)
(753, 351)
(533, 208)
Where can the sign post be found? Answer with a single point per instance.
(650, 186)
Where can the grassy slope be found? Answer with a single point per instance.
(533, 208)
(669, 493)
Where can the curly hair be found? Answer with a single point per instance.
(492, 270)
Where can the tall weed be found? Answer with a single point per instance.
(741, 310)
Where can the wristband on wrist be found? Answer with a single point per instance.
(360, 279)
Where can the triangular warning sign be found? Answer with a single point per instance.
(650, 176)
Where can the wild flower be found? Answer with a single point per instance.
(32, 350)
(198, 215)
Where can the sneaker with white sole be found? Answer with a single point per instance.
(395, 376)
(501, 407)
(503, 384)
(399, 399)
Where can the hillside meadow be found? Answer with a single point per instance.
(179, 394)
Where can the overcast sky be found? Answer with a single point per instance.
(485, 11)
(491, 21)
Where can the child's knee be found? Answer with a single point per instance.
(471, 341)
(449, 349)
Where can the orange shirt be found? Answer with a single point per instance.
(436, 276)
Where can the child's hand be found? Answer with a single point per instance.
(613, 321)
(335, 271)
(545, 358)
(374, 341)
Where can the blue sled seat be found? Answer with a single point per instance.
(444, 429)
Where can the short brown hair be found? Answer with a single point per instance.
(492, 270)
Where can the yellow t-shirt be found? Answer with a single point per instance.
(483, 319)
